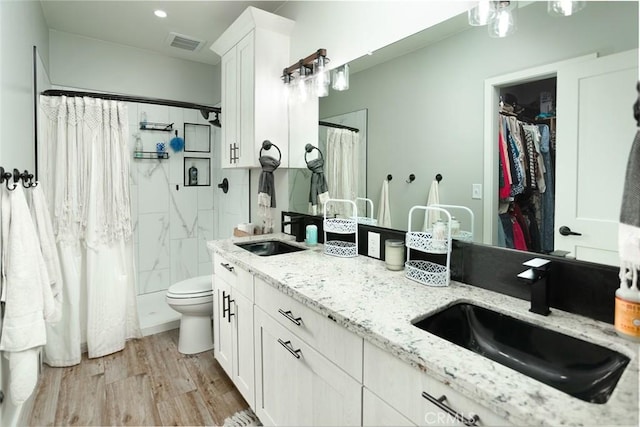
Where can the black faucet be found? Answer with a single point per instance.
(298, 225)
(538, 277)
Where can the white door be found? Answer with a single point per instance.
(222, 327)
(243, 367)
(594, 135)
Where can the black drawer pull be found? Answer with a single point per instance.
(226, 299)
(459, 417)
(227, 266)
(288, 315)
(290, 349)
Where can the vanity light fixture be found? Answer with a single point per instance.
(500, 16)
(160, 13)
(341, 78)
(309, 72)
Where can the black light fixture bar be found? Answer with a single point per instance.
(305, 62)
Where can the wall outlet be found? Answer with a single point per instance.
(476, 191)
(373, 240)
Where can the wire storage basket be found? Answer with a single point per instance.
(367, 220)
(343, 226)
(434, 241)
(458, 234)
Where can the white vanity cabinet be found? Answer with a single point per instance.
(408, 391)
(308, 368)
(254, 50)
(233, 324)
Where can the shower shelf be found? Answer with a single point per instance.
(150, 155)
(164, 127)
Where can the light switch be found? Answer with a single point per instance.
(476, 191)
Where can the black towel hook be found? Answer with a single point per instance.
(389, 177)
(266, 145)
(438, 178)
(412, 178)
(309, 148)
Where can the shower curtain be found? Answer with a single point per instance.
(342, 167)
(84, 160)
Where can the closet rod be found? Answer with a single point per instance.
(335, 125)
(126, 98)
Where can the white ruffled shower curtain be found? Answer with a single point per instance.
(342, 167)
(83, 156)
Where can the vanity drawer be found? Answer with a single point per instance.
(336, 343)
(409, 391)
(236, 277)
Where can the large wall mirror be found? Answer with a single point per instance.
(425, 99)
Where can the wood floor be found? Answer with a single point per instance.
(149, 383)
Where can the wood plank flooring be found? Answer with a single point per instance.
(149, 383)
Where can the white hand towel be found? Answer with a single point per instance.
(29, 300)
(384, 213)
(44, 228)
(433, 199)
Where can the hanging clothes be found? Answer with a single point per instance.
(548, 198)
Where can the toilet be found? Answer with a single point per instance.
(193, 298)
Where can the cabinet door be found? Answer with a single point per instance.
(246, 96)
(222, 328)
(243, 368)
(377, 412)
(229, 70)
(296, 385)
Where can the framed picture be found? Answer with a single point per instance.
(197, 171)
(197, 138)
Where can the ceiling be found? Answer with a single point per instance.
(133, 23)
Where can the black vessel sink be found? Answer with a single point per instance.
(587, 371)
(269, 247)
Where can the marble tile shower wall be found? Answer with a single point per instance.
(172, 222)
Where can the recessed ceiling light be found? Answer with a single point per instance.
(160, 13)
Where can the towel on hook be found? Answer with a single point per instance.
(318, 190)
(629, 228)
(267, 191)
(44, 229)
(28, 300)
(384, 213)
(434, 198)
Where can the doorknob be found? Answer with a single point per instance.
(224, 185)
(566, 231)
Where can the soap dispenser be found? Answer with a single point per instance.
(193, 175)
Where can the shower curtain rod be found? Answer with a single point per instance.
(335, 125)
(126, 98)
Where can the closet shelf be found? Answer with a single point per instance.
(139, 155)
(164, 127)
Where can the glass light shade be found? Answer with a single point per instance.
(321, 78)
(565, 7)
(341, 78)
(481, 14)
(504, 22)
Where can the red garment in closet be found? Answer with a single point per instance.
(518, 236)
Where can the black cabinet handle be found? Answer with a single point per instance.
(288, 315)
(227, 266)
(224, 301)
(459, 417)
(566, 231)
(287, 345)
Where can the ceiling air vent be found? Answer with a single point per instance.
(183, 42)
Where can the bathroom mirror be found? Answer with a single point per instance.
(425, 101)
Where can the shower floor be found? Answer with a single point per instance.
(155, 314)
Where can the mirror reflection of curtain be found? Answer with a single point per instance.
(342, 167)
(84, 156)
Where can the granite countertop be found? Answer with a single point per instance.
(379, 305)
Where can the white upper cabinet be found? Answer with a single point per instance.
(254, 50)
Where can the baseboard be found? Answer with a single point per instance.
(156, 329)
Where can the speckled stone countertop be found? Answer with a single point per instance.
(379, 305)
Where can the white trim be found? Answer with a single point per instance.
(491, 98)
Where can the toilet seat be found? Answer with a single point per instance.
(195, 287)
